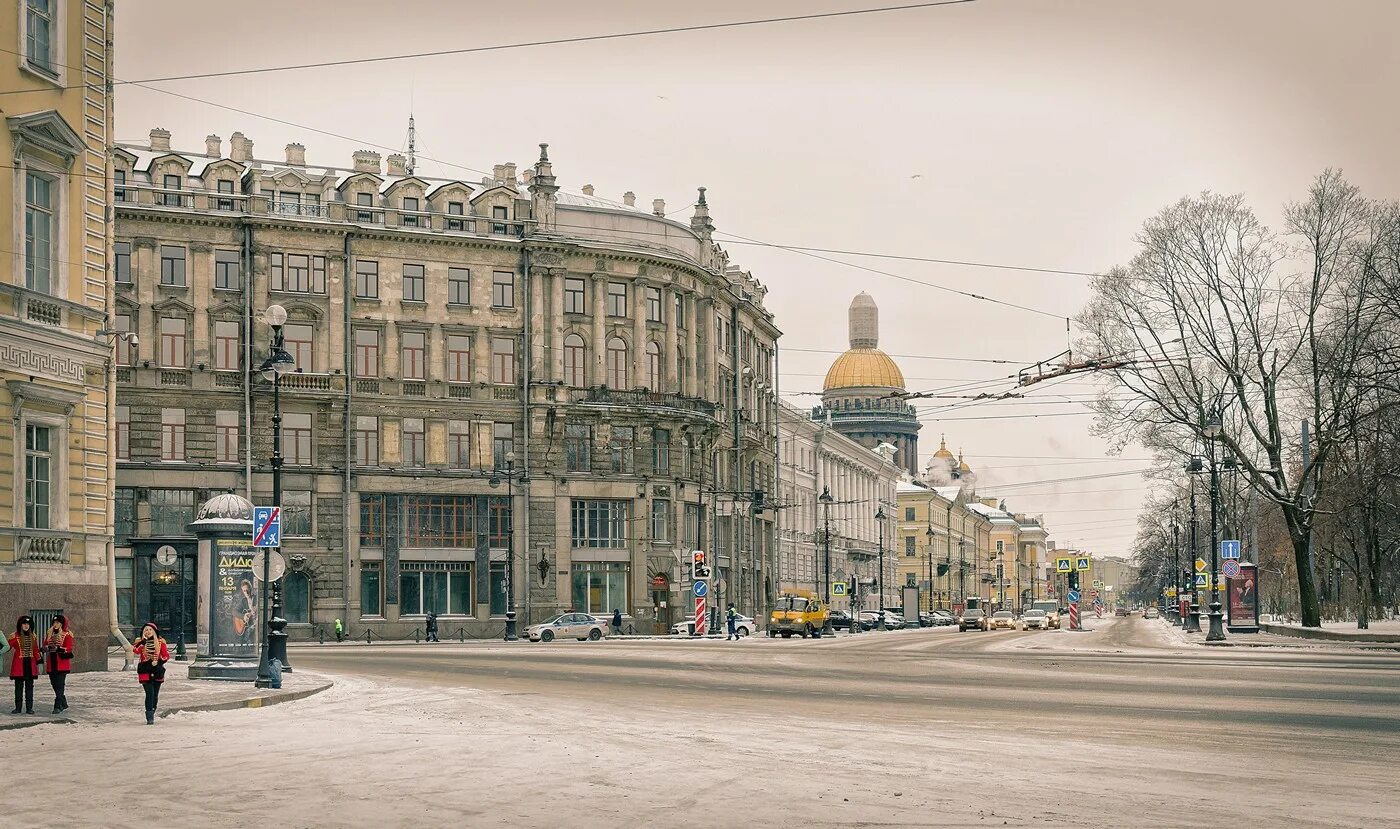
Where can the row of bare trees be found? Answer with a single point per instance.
(1234, 340)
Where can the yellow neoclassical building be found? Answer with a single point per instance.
(56, 467)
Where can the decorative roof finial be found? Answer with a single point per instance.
(544, 152)
(701, 203)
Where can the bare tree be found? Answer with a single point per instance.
(1218, 319)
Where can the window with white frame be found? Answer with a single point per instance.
(653, 296)
(296, 438)
(575, 365)
(459, 358)
(366, 441)
(298, 273)
(172, 266)
(366, 352)
(617, 363)
(39, 445)
(503, 360)
(41, 196)
(415, 283)
(413, 353)
(226, 436)
(624, 449)
(617, 299)
(42, 35)
(366, 279)
(598, 523)
(575, 296)
(441, 587)
(459, 286)
(123, 433)
(226, 350)
(172, 434)
(661, 520)
(173, 352)
(226, 276)
(298, 338)
(121, 262)
(654, 366)
(661, 451)
(502, 289)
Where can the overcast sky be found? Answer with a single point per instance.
(1037, 133)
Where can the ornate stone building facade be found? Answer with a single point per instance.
(55, 354)
(859, 395)
(504, 394)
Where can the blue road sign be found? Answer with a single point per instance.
(1202, 580)
(267, 526)
(1073, 596)
(1229, 549)
(701, 588)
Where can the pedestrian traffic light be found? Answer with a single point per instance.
(699, 566)
(757, 501)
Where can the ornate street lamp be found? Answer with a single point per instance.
(278, 362)
(511, 634)
(1212, 430)
(826, 500)
(880, 520)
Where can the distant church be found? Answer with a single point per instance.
(856, 395)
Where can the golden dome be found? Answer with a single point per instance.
(962, 464)
(863, 368)
(943, 449)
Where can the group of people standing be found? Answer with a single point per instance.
(51, 652)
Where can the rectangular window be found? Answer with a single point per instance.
(226, 350)
(414, 442)
(624, 440)
(123, 433)
(575, 296)
(298, 339)
(39, 35)
(126, 592)
(119, 185)
(366, 352)
(459, 444)
(502, 443)
(661, 451)
(370, 592)
(126, 352)
(38, 476)
(502, 289)
(503, 360)
(617, 299)
(459, 358)
(598, 523)
(440, 587)
(500, 215)
(366, 441)
(172, 265)
(224, 186)
(366, 279)
(226, 437)
(124, 515)
(121, 265)
(172, 434)
(459, 286)
(364, 200)
(296, 514)
(409, 213)
(909, 541)
(691, 530)
(653, 305)
(413, 353)
(599, 587)
(172, 342)
(172, 183)
(171, 510)
(39, 227)
(578, 447)
(661, 520)
(455, 210)
(297, 273)
(1000, 547)
(226, 276)
(680, 312)
(908, 513)
(415, 288)
(296, 438)
(574, 371)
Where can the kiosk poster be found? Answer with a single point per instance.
(234, 618)
(1243, 596)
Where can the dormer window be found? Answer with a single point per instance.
(172, 183)
(455, 208)
(410, 207)
(119, 185)
(224, 185)
(499, 216)
(364, 200)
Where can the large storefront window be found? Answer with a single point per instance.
(296, 598)
(124, 515)
(600, 587)
(599, 524)
(440, 587)
(171, 510)
(370, 592)
(434, 520)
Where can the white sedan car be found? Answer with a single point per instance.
(745, 626)
(580, 626)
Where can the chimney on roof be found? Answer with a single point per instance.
(365, 161)
(240, 148)
(398, 164)
(658, 207)
(296, 155)
(588, 189)
(160, 139)
(213, 146)
(629, 199)
(527, 174)
(509, 169)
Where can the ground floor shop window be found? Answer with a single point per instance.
(370, 593)
(126, 593)
(296, 598)
(600, 586)
(439, 587)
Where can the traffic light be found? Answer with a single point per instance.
(757, 501)
(699, 566)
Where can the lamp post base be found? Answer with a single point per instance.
(1217, 623)
(511, 634)
(1193, 620)
(828, 630)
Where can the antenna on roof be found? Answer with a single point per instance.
(412, 145)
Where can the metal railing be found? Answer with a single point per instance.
(643, 399)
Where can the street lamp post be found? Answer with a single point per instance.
(962, 571)
(510, 635)
(1212, 431)
(880, 520)
(826, 499)
(928, 550)
(278, 362)
(1193, 614)
(1174, 609)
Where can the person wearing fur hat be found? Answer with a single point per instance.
(58, 660)
(152, 653)
(25, 662)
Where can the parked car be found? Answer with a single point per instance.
(1122, 611)
(972, 618)
(1003, 620)
(943, 617)
(869, 619)
(1151, 613)
(745, 626)
(1034, 619)
(894, 618)
(840, 620)
(580, 626)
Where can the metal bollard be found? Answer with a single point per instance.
(368, 634)
(321, 633)
(461, 634)
(415, 635)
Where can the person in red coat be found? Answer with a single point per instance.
(25, 662)
(58, 660)
(152, 653)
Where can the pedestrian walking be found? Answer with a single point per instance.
(432, 627)
(731, 617)
(617, 622)
(339, 631)
(152, 653)
(58, 660)
(25, 663)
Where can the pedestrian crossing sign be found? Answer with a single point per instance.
(1202, 580)
(1062, 565)
(1082, 564)
(838, 588)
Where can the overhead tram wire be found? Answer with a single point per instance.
(699, 27)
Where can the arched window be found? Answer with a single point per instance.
(617, 363)
(654, 365)
(575, 359)
(296, 597)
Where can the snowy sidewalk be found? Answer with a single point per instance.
(115, 696)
